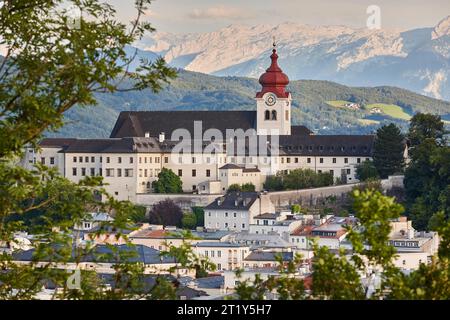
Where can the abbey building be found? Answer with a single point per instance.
(208, 150)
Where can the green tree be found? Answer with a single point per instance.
(199, 216)
(189, 221)
(366, 171)
(248, 187)
(296, 209)
(234, 188)
(388, 150)
(50, 66)
(425, 126)
(274, 183)
(168, 182)
(428, 173)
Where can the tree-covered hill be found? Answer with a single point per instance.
(196, 91)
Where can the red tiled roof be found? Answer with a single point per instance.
(304, 230)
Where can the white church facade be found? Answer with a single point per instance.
(142, 143)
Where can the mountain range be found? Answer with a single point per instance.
(417, 60)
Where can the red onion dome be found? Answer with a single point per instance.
(274, 80)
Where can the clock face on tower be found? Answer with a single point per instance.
(271, 99)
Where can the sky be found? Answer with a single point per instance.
(187, 16)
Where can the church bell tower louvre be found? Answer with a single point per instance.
(273, 101)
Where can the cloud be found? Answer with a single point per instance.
(219, 12)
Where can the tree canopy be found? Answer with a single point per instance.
(388, 150)
(168, 182)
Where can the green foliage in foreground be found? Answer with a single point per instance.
(338, 275)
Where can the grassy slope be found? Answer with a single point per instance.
(391, 110)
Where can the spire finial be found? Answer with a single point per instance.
(274, 43)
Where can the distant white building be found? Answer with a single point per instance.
(282, 224)
(235, 211)
(225, 255)
(413, 247)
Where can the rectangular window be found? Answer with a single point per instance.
(358, 160)
(83, 172)
(107, 159)
(80, 159)
(140, 159)
(74, 159)
(110, 172)
(194, 173)
(74, 171)
(128, 172)
(92, 172)
(321, 160)
(296, 160)
(52, 160)
(288, 160)
(345, 160)
(145, 173)
(140, 173)
(157, 160)
(119, 160)
(119, 172)
(308, 160)
(131, 160)
(208, 173)
(193, 159)
(86, 159)
(334, 160)
(101, 159)
(180, 172)
(43, 160)
(100, 172)
(348, 171)
(166, 159)
(92, 159)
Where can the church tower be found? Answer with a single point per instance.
(273, 102)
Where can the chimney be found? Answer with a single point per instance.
(162, 137)
(147, 134)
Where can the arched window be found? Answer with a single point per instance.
(274, 115)
(267, 115)
(148, 185)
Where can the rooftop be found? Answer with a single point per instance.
(219, 245)
(269, 256)
(234, 201)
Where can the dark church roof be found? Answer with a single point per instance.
(327, 145)
(137, 123)
(234, 201)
